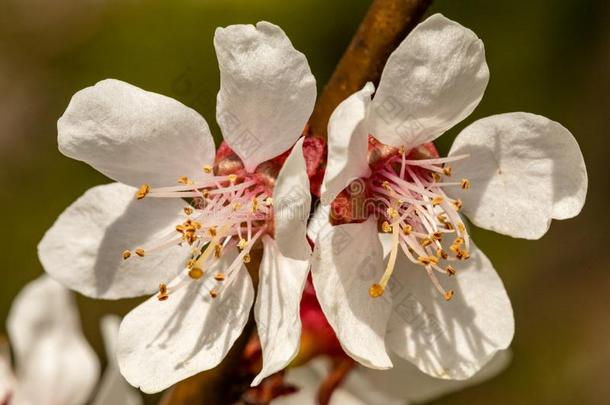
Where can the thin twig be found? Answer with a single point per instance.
(385, 25)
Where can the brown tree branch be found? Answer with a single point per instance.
(385, 25)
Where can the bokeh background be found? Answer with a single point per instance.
(547, 57)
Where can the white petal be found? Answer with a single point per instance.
(113, 389)
(135, 136)
(454, 339)
(407, 382)
(525, 170)
(319, 222)
(291, 206)
(347, 144)
(432, 81)
(267, 91)
(8, 383)
(83, 249)
(347, 260)
(277, 308)
(163, 342)
(55, 364)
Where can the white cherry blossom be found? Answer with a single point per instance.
(511, 173)
(180, 222)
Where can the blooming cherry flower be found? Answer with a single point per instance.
(184, 222)
(55, 364)
(511, 173)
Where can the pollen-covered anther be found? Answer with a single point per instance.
(140, 252)
(457, 204)
(219, 277)
(436, 235)
(188, 210)
(386, 185)
(269, 201)
(448, 295)
(465, 184)
(236, 206)
(212, 231)
(386, 227)
(247, 258)
(254, 205)
(184, 180)
(376, 290)
(462, 254)
(392, 212)
(232, 178)
(450, 270)
(436, 177)
(196, 273)
(426, 260)
(447, 171)
(163, 294)
(207, 169)
(442, 254)
(425, 242)
(437, 201)
(217, 251)
(407, 229)
(242, 244)
(142, 191)
(461, 227)
(126, 254)
(213, 293)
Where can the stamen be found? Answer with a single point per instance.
(376, 290)
(207, 169)
(126, 254)
(196, 273)
(447, 171)
(465, 184)
(219, 277)
(386, 227)
(142, 191)
(140, 252)
(163, 295)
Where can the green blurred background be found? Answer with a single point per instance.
(547, 57)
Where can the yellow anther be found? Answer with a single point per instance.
(465, 184)
(425, 242)
(407, 229)
(269, 201)
(242, 244)
(247, 258)
(442, 218)
(448, 295)
(436, 177)
(425, 260)
(163, 295)
(386, 185)
(436, 235)
(462, 254)
(447, 171)
(207, 169)
(236, 206)
(191, 263)
(442, 254)
(142, 191)
(450, 270)
(386, 227)
(232, 178)
(457, 204)
(205, 193)
(126, 254)
(392, 212)
(188, 210)
(212, 231)
(461, 227)
(254, 204)
(376, 291)
(217, 250)
(458, 241)
(448, 225)
(219, 277)
(213, 293)
(140, 252)
(402, 149)
(196, 273)
(437, 201)
(184, 180)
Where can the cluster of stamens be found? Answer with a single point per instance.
(225, 210)
(424, 222)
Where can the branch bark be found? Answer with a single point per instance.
(385, 25)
